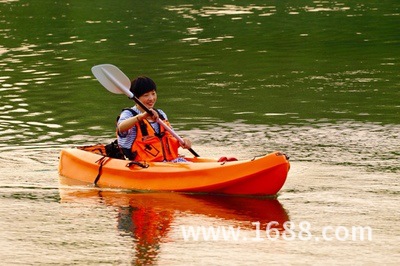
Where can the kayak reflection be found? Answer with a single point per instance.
(149, 217)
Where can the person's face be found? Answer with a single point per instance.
(149, 99)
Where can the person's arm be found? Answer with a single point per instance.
(130, 122)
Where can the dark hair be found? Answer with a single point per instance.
(142, 85)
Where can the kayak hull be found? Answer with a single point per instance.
(261, 176)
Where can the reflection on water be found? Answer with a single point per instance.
(372, 146)
(149, 218)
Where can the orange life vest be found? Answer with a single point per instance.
(150, 146)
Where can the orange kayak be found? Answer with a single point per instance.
(261, 176)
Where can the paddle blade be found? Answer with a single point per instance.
(113, 79)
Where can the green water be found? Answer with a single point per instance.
(316, 79)
(287, 64)
(211, 61)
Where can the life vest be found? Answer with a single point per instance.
(151, 146)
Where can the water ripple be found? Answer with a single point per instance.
(372, 146)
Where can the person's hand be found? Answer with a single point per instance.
(187, 144)
(145, 115)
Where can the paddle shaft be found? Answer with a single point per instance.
(128, 93)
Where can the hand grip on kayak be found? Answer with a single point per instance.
(115, 81)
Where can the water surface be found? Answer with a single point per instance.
(318, 80)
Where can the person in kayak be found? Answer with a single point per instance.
(139, 136)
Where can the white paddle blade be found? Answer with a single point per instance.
(113, 79)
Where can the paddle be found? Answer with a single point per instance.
(115, 81)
